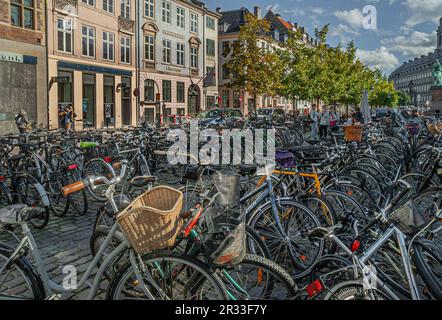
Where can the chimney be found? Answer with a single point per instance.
(219, 10)
(257, 12)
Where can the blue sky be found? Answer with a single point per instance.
(405, 28)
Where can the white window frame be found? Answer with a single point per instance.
(125, 45)
(180, 17)
(194, 57)
(149, 48)
(65, 31)
(149, 8)
(165, 12)
(193, 22)
(167, 45)
(125, 9)
(180, 54)
(109, 44)
(88, 38)
(109, 6)
(89, 2)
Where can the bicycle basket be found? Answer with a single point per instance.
(411, 217)
(227, 184)
(152, 221)
(285, 159)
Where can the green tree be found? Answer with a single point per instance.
(404, 98)
(251, 67)
(383, 93)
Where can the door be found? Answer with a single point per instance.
(126, 105)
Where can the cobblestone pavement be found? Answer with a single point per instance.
(65, 241)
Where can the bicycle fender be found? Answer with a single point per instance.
(43, 194)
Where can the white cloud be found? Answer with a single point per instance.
(413, 45)
(344, 32)
(423, 11)
(380, 58)
(318, 10)
(353, 18)
(273, 7)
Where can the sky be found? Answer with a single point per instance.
(386, 32)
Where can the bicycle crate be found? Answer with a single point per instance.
(413, 128)
(353, 133)
(412, 217)
(435, 128)
(152, 221)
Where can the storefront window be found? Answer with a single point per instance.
(88, 102)
(225, 99)
(64, 91)
(210, 102)
(149, 115)
(109, 99)
(236, 100)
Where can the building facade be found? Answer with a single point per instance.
(228, 29)
(178, 50)
(415, 76)
(22, 63)
(91, 62)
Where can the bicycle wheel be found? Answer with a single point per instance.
(77, 200)
(59, 204)
(167, 276)
(98, 167)
(28, 193)
(258, 278)
(293, 251)
(19, 281)
(428, 261)
(167, 172)
(353, 290)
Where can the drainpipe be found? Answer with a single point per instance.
(204, 57)
(47, 64)
(137, 60)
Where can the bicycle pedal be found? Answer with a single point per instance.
(56, 296)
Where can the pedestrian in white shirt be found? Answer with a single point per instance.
(314, 117)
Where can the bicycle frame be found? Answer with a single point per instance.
(362, 260)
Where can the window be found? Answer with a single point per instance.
(166, 51)
(236, 100)
(167, 91)
(193, 22)
(108, 46)
(109, 99)
(180, 20)
(89, 2)
(225, 99)
(210, 23)
(210, 102)
(88, 41)
(180, 92)
(225, 73)
(210, 47)
(149, 8)
(108, 5)
(226, 47)
(180, 54)
(125, 49)
(149, 90)
(194, 58)
(149, 48)
(64, 35)
(165, 11)
(125, 9)
(22, 13)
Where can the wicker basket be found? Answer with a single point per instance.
(151, 221)
(435, 128)
(353, 133)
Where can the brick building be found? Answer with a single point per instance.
(22, 62)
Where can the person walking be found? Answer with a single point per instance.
(22, 122)
(314, 117)
(334, 118)
(68, 117)
(324, 123)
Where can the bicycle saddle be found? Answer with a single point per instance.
(321, 232)
(142, 181)
(16, 213)
(245, 169)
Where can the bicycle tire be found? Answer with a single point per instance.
(432, 280)
(166, 256)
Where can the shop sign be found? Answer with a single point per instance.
(11, 57)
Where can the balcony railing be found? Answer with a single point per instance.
(125, 24)
(66, 5)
